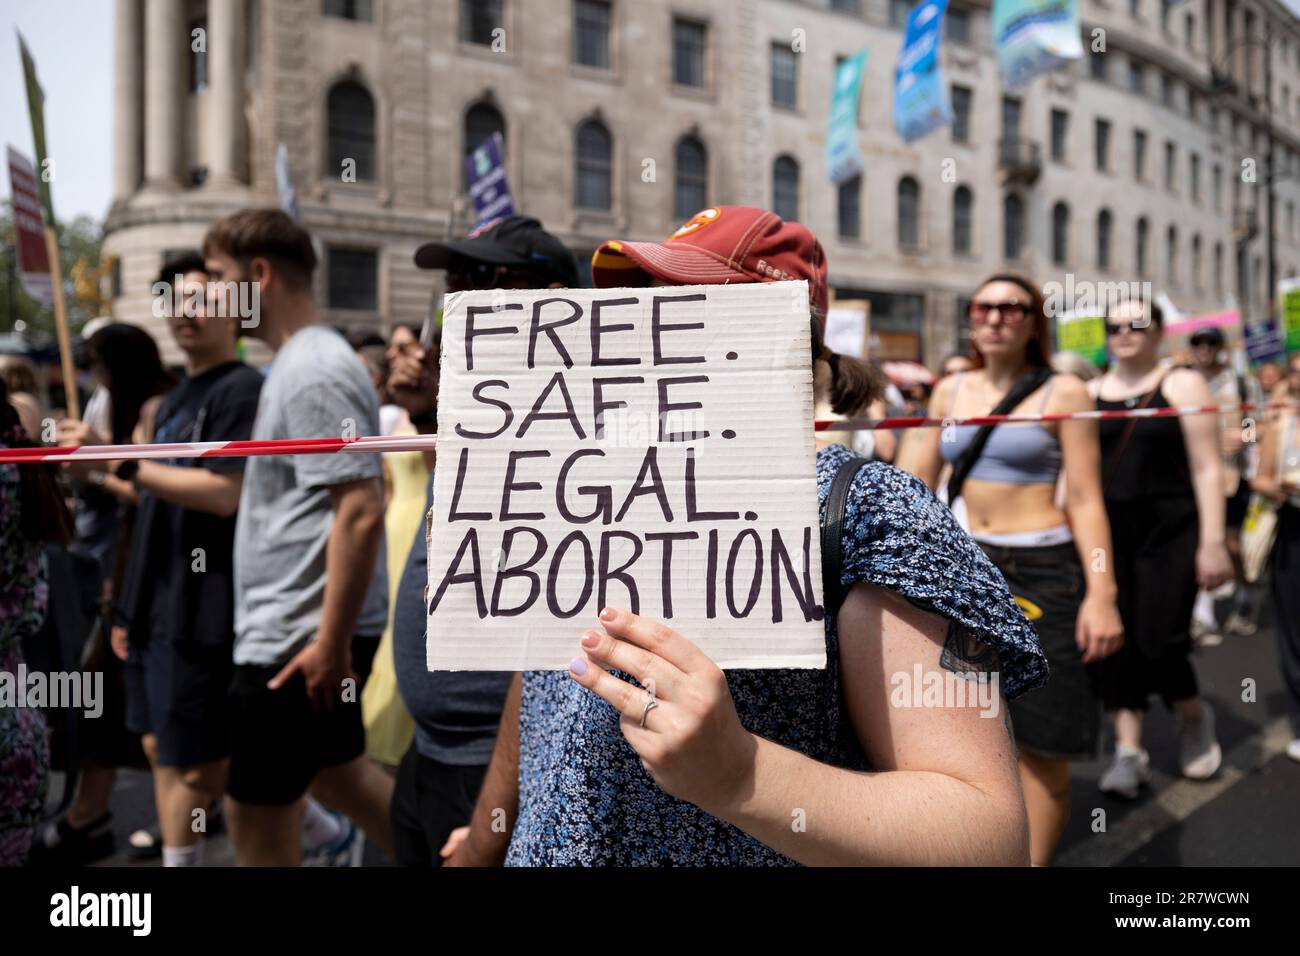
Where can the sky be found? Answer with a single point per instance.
(72, 42)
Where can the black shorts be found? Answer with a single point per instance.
(430, 799)
(1234, 512)
(1061, 719)
(279, 742)
(179, 691)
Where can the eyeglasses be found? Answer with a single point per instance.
(1127, 326)
(1012, 313)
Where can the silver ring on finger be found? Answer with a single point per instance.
(650, 705)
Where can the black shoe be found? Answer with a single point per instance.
(62, 844)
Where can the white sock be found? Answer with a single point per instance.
(1204, 610)
(183, 855)
(319, 826)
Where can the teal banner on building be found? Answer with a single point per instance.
(921, 102)
(1035, 36)
(843, 158)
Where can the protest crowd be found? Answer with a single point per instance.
(261, 621)
(334, 654)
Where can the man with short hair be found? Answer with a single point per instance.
(307, 543)
(1210, 358)
(177, 605)
(456, 713)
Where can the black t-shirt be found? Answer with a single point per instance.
(180, 581)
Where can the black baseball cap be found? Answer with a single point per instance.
(1211, 335)
(512, 241)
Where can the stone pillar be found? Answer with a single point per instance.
(225, 112)
(166, 68)
(128, 59)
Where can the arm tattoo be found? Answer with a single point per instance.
(964, 655)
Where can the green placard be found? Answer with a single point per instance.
(1288, 295)
(1084, 335)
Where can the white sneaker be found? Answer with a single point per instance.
(1199, 751)
(1130, 769)
(1205, 635)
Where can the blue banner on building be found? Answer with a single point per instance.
(843, 158)
(487, 181)
(1035, 36)
(920, 95)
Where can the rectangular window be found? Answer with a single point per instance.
(1171, 159)
(1060, 128)
(1216, 181)
(845, 6)
(689, 39)
(1195, 179)
(1097, 65)
(1167, 90)
(591, 33)
(785, 75)
(1102, 145)
(1139, 155)
(353, 279)
(1135, 8)
(956, 26)
(1136, 77)
(348, 9)
(479, 19)
(961, 102)
(849, 208)
(899, 10)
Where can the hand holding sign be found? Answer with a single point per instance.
(625, 446)
(692, 742)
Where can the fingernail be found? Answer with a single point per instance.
(578, 666)
(591, 640)
(607, 614)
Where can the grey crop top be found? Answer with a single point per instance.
(1014, 455)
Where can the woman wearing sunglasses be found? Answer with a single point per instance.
(1164, 494)
(1004, 488)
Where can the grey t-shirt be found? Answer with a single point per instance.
(317, 388)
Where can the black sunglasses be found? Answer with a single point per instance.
(1117, 328)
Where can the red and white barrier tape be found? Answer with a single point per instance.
(376, 444)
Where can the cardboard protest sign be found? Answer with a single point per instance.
(647, 448)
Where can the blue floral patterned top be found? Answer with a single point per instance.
(24, 749)
(585, 799)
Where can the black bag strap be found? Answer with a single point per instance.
(833, 592)
(965, 463)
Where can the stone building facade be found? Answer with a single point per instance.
(1146, 159)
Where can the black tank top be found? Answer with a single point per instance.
(1153, 464)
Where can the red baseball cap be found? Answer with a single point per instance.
(718, 245)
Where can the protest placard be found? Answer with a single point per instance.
(647, 448)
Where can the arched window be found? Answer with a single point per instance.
(1142, 238)
(785, 188)
(963, 200)
(482, 121)
(1105, 226)
(909, 213)
(1013, 226)
(1171, 254)
(690, 191)
(1060, 233)
(1197, 279)
(1218, 270)
(351, 124)
(594, 172)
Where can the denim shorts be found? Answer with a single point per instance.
(1061, 719)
